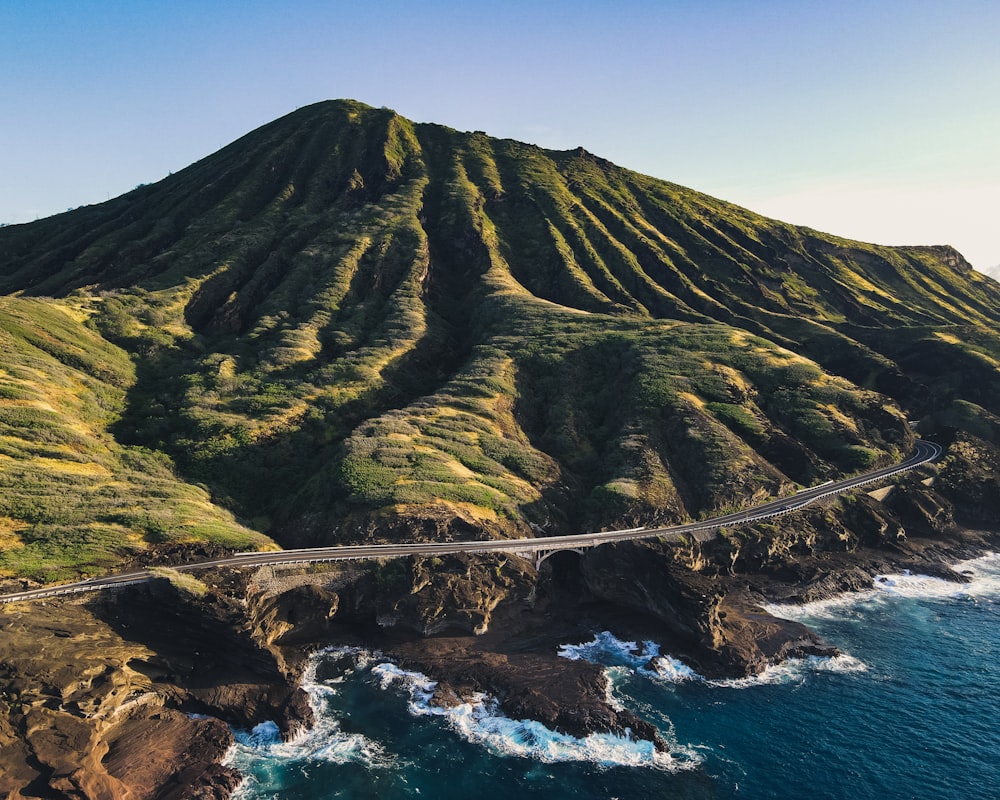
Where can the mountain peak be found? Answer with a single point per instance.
(396, 321)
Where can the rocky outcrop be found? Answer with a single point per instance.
(98, 696)
(567, 696)
(970, 477)
(171, 755)
(132, 694)
(457, 594)
(711, 618)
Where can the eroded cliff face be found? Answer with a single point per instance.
(709, 595)
(712, 622)
(455, 594)
(132, 694)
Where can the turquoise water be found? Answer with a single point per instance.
(912, 710)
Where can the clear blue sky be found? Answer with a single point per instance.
(875, 119)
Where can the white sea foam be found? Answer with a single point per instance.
(671, 670)
(615, 653)
(820, 609)
(794, 670)
(610, 651)
(607, 649)
(610, 680)
(984, 574)
(323, 742)
(479, 720)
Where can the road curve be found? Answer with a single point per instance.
(701, 530)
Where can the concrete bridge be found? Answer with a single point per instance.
(537, 549)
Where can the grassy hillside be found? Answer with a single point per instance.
(349, 326)
(73, 500)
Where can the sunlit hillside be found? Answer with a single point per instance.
(349, 326)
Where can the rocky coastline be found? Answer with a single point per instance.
(134, 694)
(347, 327)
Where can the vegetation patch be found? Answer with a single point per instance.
(347, 322)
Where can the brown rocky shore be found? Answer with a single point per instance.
(133, 694)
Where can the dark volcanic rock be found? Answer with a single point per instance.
(724, 632)
(113, 678)
(748, 637)
(567, 696)
(206, 646)
(454, 594)
(353, 328)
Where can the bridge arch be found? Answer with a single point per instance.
(541, 555)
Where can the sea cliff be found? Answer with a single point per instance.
(350, 328)
(134, 693)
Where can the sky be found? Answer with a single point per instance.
(877, 121)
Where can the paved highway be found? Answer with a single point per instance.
(540, 547)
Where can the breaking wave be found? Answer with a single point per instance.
(478, 720)
(983, 574)
(984, 581)
(613, 653)
(260, 753)
(263, 745)
(794, 670)
(610, 651)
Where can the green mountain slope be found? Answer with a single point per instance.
(72, 499)
(346, 325)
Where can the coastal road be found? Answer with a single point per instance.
(539, 547)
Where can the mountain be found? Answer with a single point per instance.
(347, 326)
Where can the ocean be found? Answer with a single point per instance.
(911, 709)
